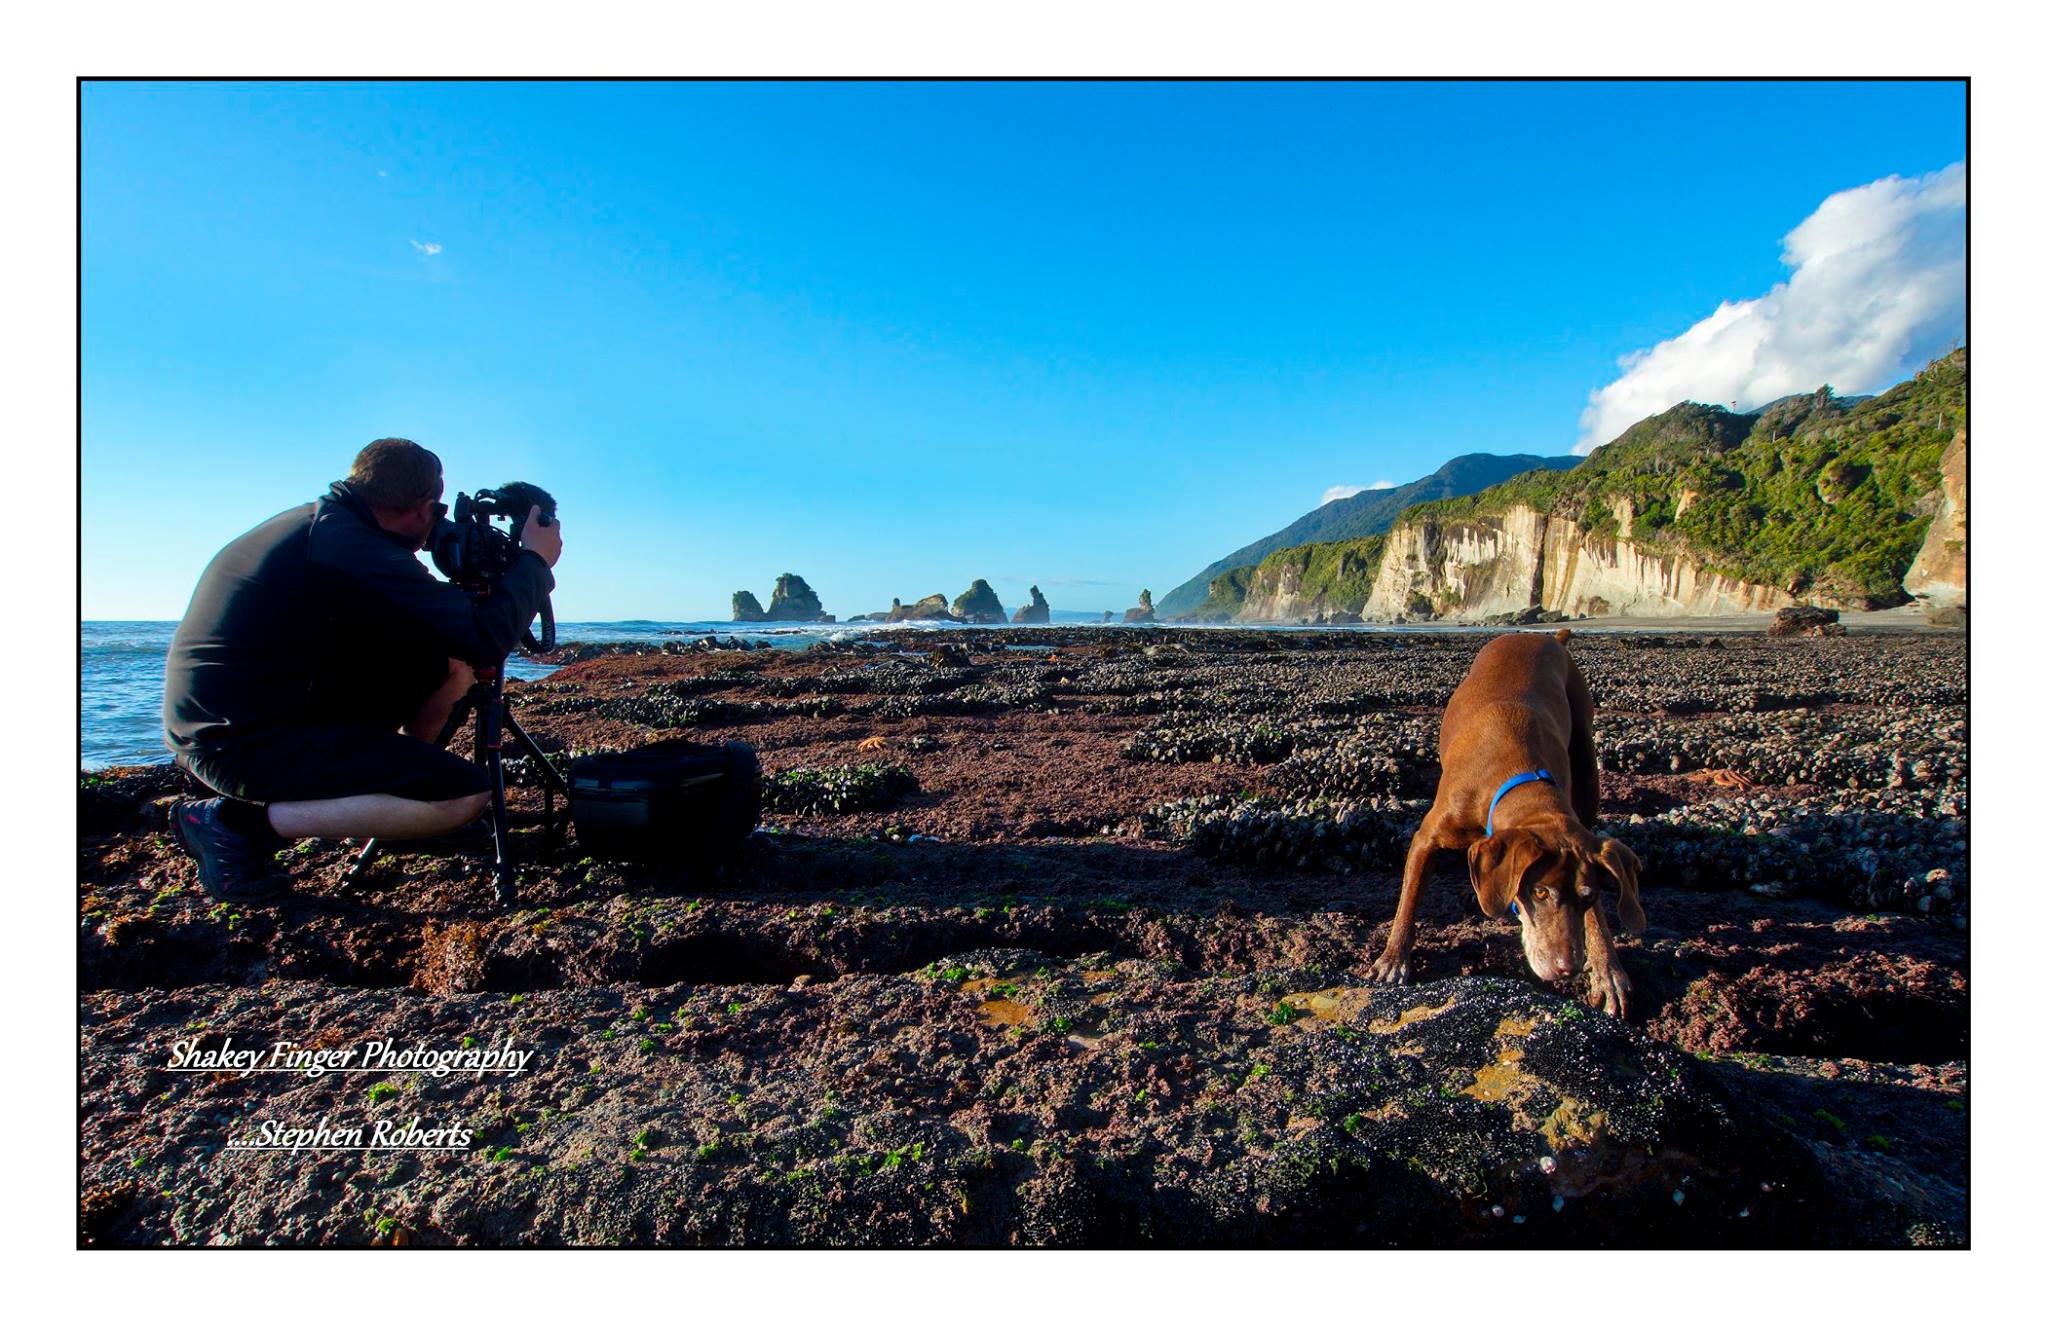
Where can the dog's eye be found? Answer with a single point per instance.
(1542, 894)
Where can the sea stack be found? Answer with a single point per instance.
(931, 608)
(746, 608)
(794, 601)
(1143, 612)
(978, 604)
(1037, 612)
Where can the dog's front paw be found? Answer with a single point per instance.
(1390, 969)
(1608, 990)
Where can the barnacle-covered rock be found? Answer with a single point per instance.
(833, 789)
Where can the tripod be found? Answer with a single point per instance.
(493, 721)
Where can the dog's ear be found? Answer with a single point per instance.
(1498, 865)
(1623, 866)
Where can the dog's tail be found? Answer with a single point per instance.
(1564, 634)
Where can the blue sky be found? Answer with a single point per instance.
(898, 336)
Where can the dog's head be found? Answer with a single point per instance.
(1551, 880)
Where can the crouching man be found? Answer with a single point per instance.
(319, 660)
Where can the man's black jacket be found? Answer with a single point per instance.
(315, 591)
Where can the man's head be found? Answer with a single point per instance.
(400, 481)
(1552, 879)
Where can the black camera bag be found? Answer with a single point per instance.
(670, 802)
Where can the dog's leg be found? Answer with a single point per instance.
(1607, 985)
(1392, 965)
(1584, 756)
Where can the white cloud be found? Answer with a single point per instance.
(1335, 491)
(428, 248)
(1876, 291)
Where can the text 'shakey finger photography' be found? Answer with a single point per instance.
(983, 664)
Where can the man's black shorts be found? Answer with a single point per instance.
(315, 760)
(353, 748)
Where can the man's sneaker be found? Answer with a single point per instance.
(233, 867)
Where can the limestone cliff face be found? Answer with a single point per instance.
(1940, 575)
(1488, 565)
(1278, 598)
(1588, 577)
(1461, 569)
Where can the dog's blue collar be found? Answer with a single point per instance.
(1528, 776)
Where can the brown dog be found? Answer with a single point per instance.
(1524, 710)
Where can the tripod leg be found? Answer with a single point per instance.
(551, 780)
(549, 774)
(508, 893)
(490, 739)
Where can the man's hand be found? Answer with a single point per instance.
(545, 540)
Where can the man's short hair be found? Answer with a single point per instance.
(395, 473)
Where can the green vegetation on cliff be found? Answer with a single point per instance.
(978, 603)
(1335, 577)
(1226, 594)
(1809, 494)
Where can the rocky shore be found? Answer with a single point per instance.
(1058, 937)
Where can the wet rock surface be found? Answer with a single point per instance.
(1066, 945)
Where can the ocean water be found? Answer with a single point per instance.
(121, 670)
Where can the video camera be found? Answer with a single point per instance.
(474, 554)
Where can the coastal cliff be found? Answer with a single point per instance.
(1479, 568)
(1940, 575)
(1350, 519)
(1523, 559)
(1319, 582)
(1698, 511)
